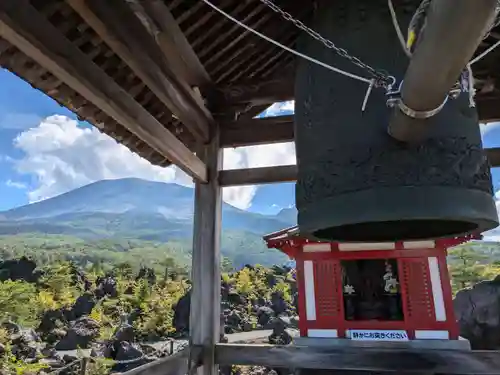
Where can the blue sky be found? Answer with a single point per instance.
(45, 151)
(21, 108)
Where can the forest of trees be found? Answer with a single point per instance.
(115, 291)
(471, 263)
(60, 280)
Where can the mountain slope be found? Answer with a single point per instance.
(115, 206)
(143, 210)
(113, 196)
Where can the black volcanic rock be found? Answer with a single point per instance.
(20, 269)
(82, 306)
(81, 334)
(146, 273)
(181, 314)
(264, 315)
(106, 286)
(478, 313)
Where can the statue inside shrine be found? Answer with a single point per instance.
(371, 290)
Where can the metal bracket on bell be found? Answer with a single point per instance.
(394, 100)
(420, 115)
(393, 95)
(455, 91)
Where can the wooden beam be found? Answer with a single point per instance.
(24, 27)
(493, 155)
(488, 109)
(256, 176)
(370, 360)
(119, 26)
(288, 173)
(453, 31)
(249, 98)
(249, 132)
(259, 92)
(174, 44)
(257, 131)
(175, 364)
(250, 112)
(205, 294)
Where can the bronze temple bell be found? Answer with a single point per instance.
(356, 182)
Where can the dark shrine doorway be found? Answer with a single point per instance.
(371, 290)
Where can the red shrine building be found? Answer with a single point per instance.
(392, 291)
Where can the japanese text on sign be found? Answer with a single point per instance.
(378, 335)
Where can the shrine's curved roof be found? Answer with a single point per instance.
(292, 236)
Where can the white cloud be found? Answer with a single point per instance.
(61, 156)
(254, 157)
(15, 184)
(491, 236)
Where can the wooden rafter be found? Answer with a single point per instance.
(24, 27)
(173, 42)
(119, 26)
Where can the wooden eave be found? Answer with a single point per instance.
(200, 70)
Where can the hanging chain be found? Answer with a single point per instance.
(381, 78)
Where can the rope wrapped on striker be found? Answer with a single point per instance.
(443, 37)
(415, 29)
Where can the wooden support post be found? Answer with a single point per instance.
(453, 32)
(205, 295)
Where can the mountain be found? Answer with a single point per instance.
(271, 198)
(113, 197)
(141, 210)
(288, 215)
